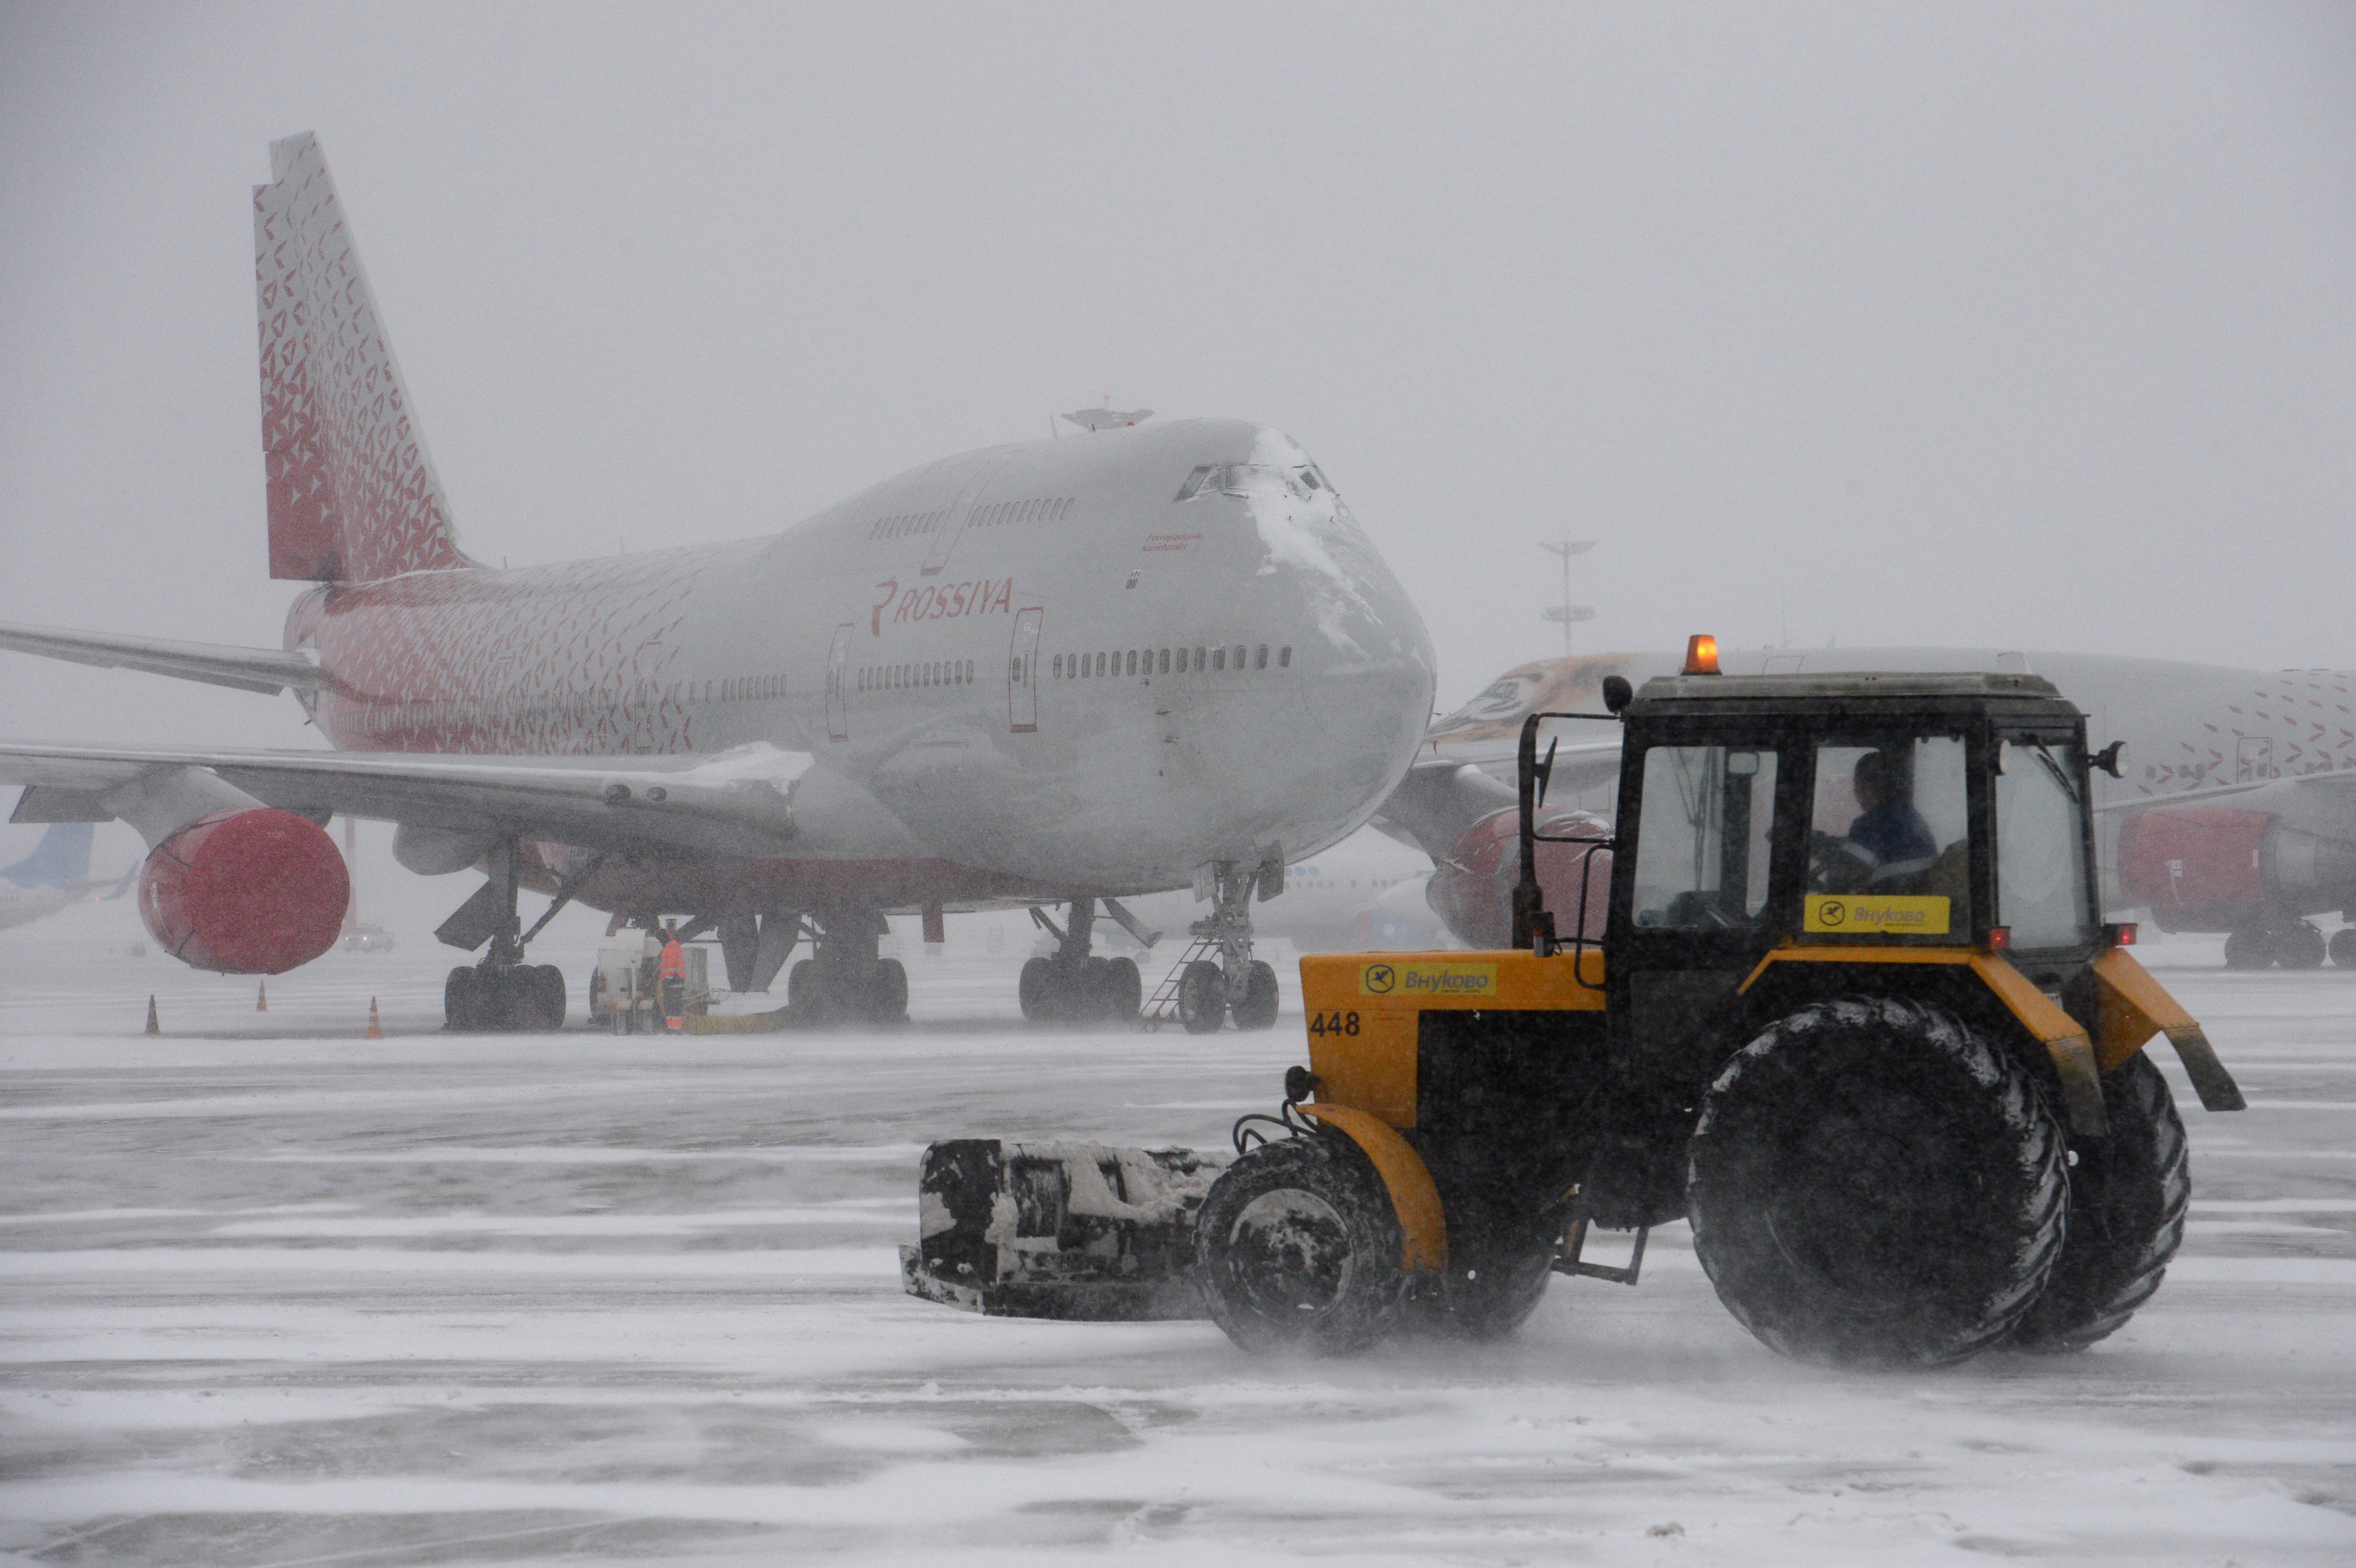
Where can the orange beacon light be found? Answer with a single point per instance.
(1701, 654)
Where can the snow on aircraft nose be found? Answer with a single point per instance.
(1366, 648)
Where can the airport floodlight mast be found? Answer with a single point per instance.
(1566, 613)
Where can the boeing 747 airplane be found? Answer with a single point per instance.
(1148, 656)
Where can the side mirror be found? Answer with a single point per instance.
(2108, 759)
(1617, 693)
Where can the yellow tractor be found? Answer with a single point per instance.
(1852, 1010)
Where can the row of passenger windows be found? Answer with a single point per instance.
(744, 689)
(551, 707)
(1040, 510)
(1164, 661)
(901, 526)
(1046, 510)
(905, 677)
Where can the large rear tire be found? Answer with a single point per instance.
(2342, 947)
(1298, 1250)
(1872, 1183)
(2127, 1197)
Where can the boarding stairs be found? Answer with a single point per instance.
(1161, 1008)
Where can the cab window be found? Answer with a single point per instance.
(1702, 837)
(2041, 851)
(1889, 840)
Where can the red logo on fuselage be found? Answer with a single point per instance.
(950, 601)
(875, 617)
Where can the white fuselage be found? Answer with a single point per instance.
(1079, 666)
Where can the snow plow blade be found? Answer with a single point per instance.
(1073, 1230)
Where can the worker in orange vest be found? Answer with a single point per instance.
(672, 972)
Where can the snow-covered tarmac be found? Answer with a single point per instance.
(270, 1294)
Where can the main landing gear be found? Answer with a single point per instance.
(502, 994)
(1235, 983)
(2280, 938)
(848, 981)
(1074, 987)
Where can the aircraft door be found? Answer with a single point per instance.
(837, 701)
(1023, 674)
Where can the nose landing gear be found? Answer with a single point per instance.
(1220, 977)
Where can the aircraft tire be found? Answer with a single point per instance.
(2343, 948)
(1257, 1008)
(458, 1008)
(2300, 947)
(797, 986)
(553, 1002)
(1120, 990)
(2127, 1197)
(2248, 948)
(1872, 1183)
(887, 992)
(1201, 997)
(1033, 988)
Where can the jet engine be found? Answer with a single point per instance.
(257, 891)
(1472, 888)
(2217, 867)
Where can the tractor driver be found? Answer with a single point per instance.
(1888, 827)
(1888, 831)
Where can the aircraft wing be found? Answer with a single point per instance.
(727, 802)
(2341, 782)
(266, 670)
(1440, 798)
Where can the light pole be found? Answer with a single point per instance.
(1567, 614)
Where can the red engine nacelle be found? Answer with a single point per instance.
(1472, 888)
(2197, 867)
(2217, 867)
(258, 891)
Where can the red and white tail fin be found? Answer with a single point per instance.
(353, 494)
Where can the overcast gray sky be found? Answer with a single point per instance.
(2024, 327)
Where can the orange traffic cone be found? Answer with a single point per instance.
(153, 1027)
(375, 1030)
(262, 1000)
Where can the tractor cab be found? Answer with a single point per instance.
(1853, 819)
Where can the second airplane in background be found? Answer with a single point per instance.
(2235, 810)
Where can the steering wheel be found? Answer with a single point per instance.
(1837, 865)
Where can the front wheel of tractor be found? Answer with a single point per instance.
(1298, 1248)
